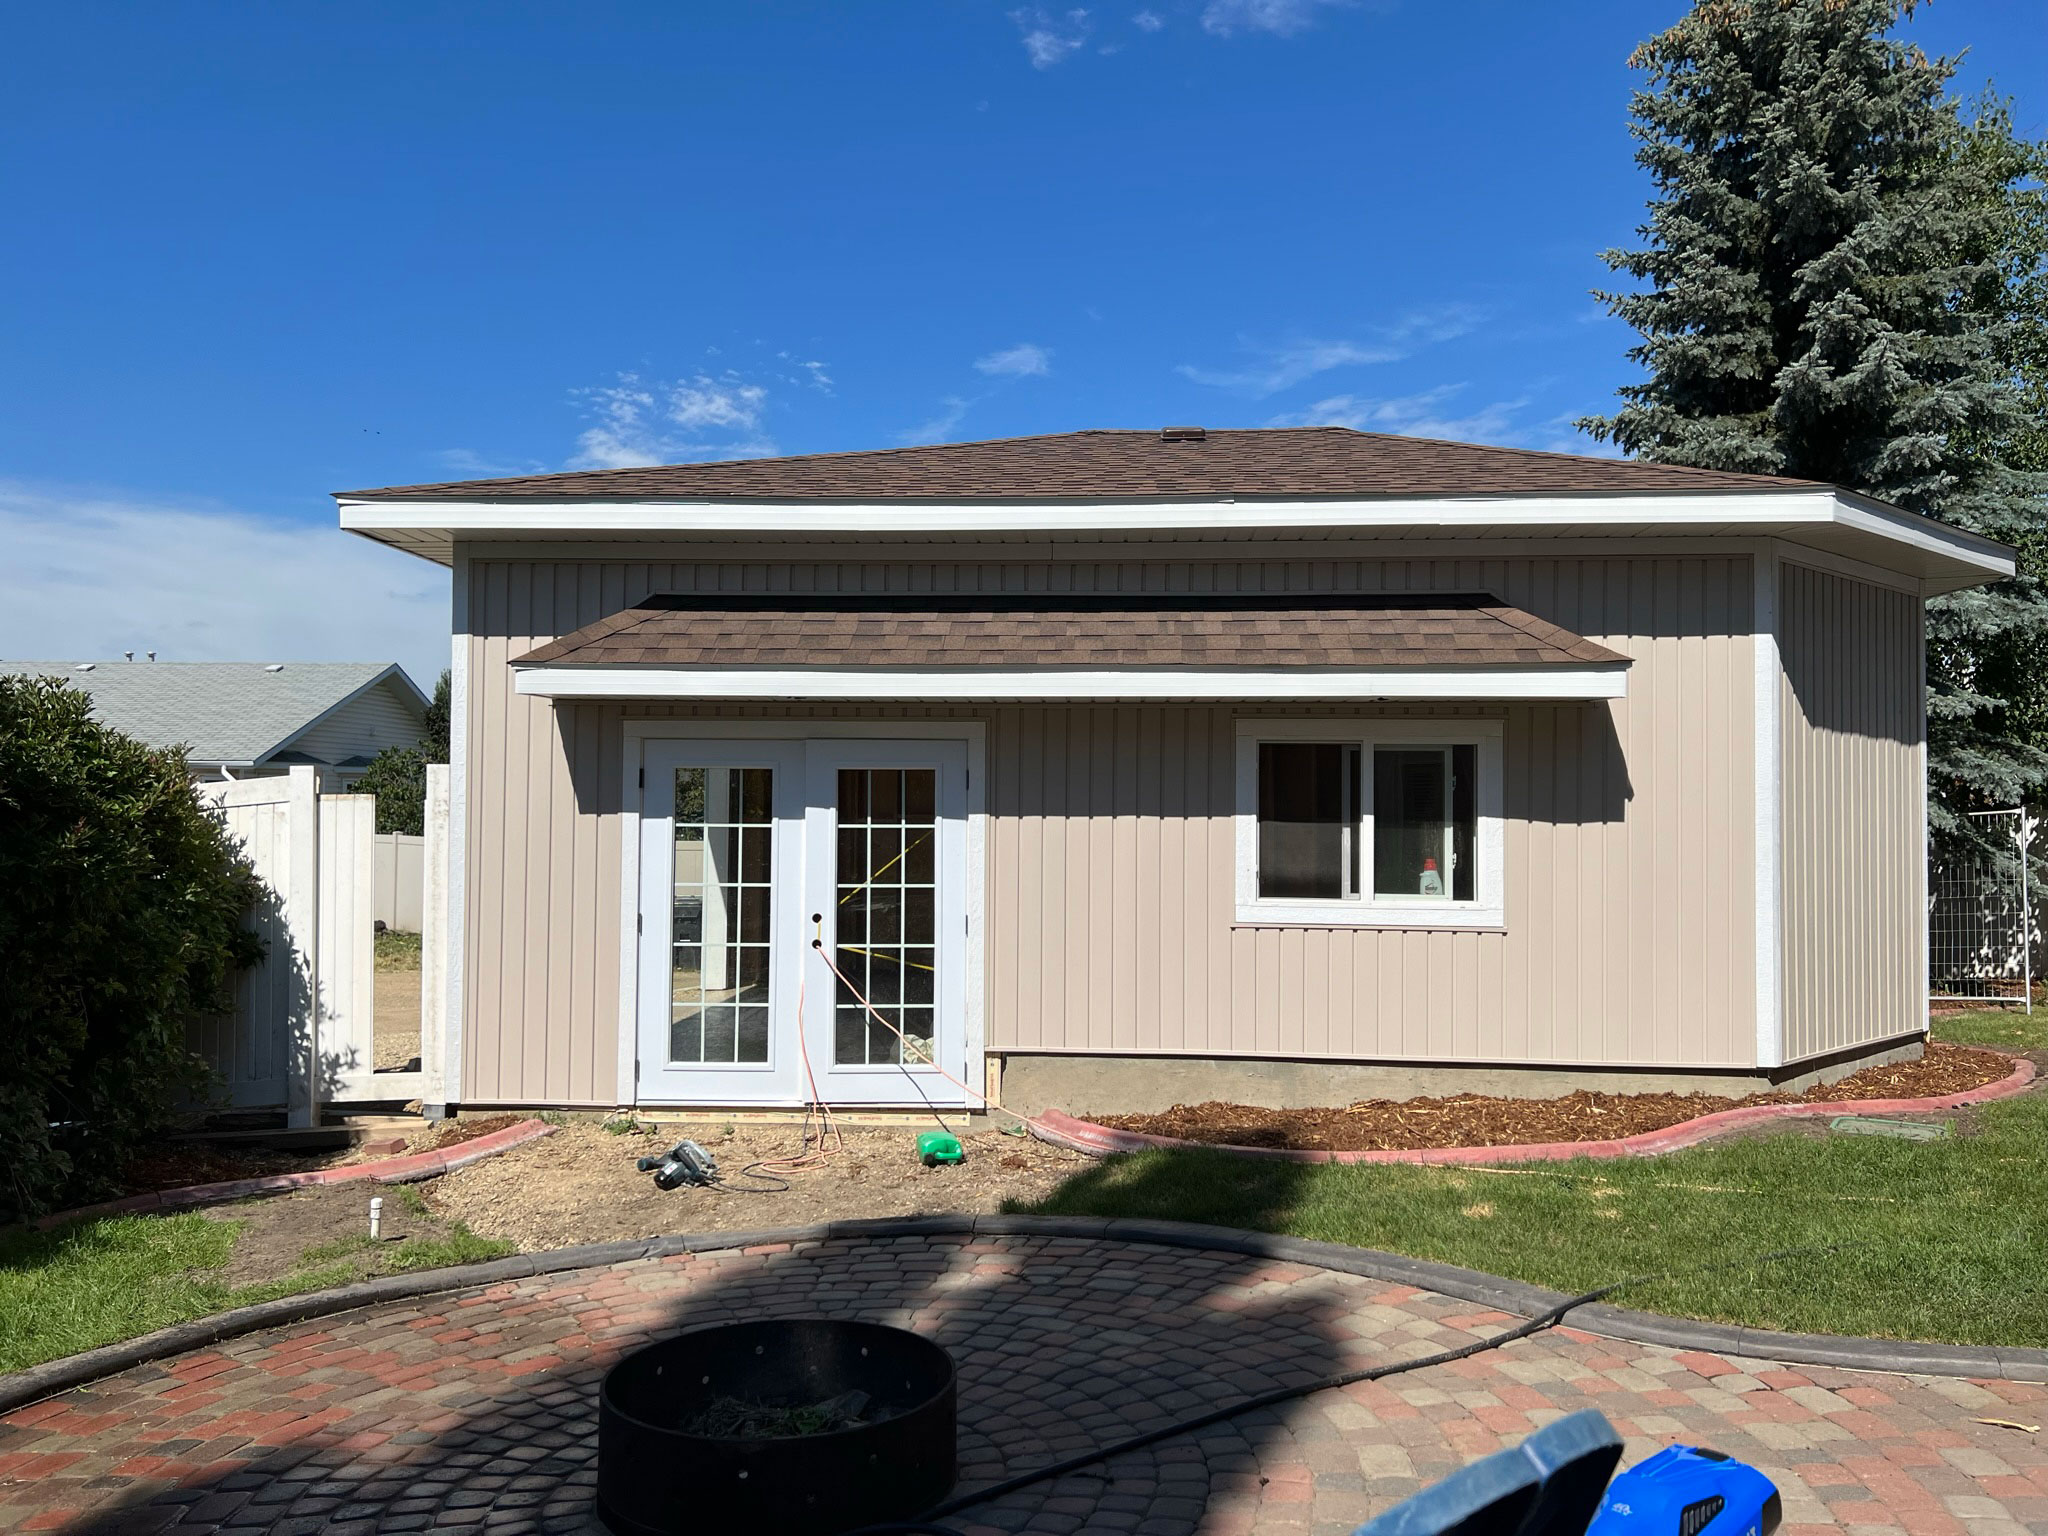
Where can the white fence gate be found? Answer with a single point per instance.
(303, 1034)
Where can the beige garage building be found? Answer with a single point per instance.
(1110, 769)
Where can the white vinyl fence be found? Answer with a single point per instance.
(303, 1033)
(401, 880)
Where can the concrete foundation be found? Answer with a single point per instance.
(1138, 1085)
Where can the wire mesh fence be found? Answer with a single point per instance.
(1980, 926)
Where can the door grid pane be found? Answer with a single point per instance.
(719, 970)
(887, 913)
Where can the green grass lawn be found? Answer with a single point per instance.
(102, 1281)
(1943, 1240)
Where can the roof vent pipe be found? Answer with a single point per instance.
(1183, 434)
(129, 654)
(275, 666)
(152, 655)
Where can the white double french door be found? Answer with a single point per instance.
(764, 866)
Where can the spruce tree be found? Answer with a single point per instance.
(1838, 263)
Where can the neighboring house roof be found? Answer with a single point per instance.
(1273, 461)
(237, 713)
(1056, 630)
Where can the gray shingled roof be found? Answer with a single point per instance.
(223, 711)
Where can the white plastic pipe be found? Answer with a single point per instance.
(376, 1215)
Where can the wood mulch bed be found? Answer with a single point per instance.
(1474, 1120)
(450, 1133)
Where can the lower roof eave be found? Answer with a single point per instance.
(1607, 680)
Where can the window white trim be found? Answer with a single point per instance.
(1488, 909)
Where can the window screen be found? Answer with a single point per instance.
(1423, 802)
(1308, 819)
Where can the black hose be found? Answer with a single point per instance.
(1535, 1324)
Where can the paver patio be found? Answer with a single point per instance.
(476, 1409)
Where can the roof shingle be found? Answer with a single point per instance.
(1055, 630)
(1287, 462)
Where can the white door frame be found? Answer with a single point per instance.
(770, 1081)
(900, 1083)
(638, 733)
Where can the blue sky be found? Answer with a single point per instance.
(259, 253)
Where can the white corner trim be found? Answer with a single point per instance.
(1488, 909)
(1607, 680)
(457, 974)
(1770, 793)
(632, 768)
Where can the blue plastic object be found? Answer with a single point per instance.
(1685, 1490)
(1549, 1485)
(1555, 1483)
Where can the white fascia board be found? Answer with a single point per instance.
(471, 519)
(439, 523)
(1607, 680)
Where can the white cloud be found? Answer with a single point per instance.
(642, 421)
(1281, 367)
(1418, 415)
(1282, 18)
(1148, 21)
(89, 576)
(1049, 39)
(1023, 361)
(940, 427)
(1276, 367)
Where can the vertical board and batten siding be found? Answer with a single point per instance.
(1853, 718)
(1629, 846)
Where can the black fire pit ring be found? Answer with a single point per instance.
(654, 1478)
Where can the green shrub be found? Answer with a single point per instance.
(121, 908)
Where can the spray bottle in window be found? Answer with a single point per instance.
(1432, 882)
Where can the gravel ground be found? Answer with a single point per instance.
(580, 1186)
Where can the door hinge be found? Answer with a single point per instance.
(643, 778)
(639, 923)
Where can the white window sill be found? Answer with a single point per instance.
(1369, 914)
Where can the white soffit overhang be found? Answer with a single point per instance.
(1607, 680)
(1943, 558)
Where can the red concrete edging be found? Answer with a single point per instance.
(385, 1170)
(1099, 1140)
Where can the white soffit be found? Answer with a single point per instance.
(1944, 558)
(1602, 681)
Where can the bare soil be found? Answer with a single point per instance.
(1474, 1120)
(279, 1230)
(580, 1186)
(396, 1004)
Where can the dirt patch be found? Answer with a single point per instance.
(396, 1012)
(1473, 1120)
(286, 1234)
(580, 1186)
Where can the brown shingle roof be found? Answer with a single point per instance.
(1268, 462)
(1056, 630)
